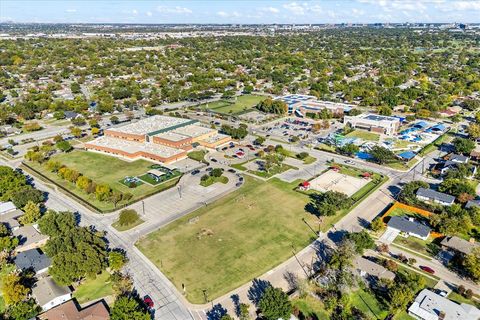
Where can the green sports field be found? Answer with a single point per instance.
(234, 106)
(234, 240)
(103, 169)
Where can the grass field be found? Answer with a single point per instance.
(93, 289)
(211, 180)
(235, 239)
(364, 135)
(311, 306)
(197, 155)
(242, 103)
(103, 169)
(461, 299)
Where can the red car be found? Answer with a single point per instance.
(427, 269)
(148, 302)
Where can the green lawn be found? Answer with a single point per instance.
(368, 303)
(232, 106)
(461, 299)
(117, 226)
(274, 171)
(103, 169)
(235, 239)
(211, 180)
(93, 289)
(425, 247)
(364, 135)
(198, 155)
(310, 306)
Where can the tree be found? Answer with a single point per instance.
(328, 203)
(23, 195)
(456, 187)
(463, 145)
(377, 224)
(64, 146)
(102, 192)
(116, 260)
(275, 304)
(32, 213)
(122, 284)
(216, 172)
(474, 131)
(55, 224)
(95, 131)
(400, 296)
(244, 312)
(362, 240)
(114, 119)
(13, 290)
(76, 132)
(349, 149)
(471, 264)
(23, 310)
(408, 193)
(259, 141)
(128, 217)
(127, 308)
(382, 155)
(83, 183)
(391, 265)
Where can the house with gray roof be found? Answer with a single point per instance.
(430, 306)
(472, 203)
(430, 195)
(10, 219)
(49, 294)
(409, 227)
(459, 245)
(366, 267)
(32, 259)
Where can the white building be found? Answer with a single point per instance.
(430, 306)
(49, 295)
(374, 122)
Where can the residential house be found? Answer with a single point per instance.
(435, 196)
(366, 267)
(10, 219)
(409, 227)
(6, 207)
(430, 306)
(70, 115)
(71, 311)
(32, 259)
(459, 245)
(472, 203)
(49, 295)
(30, 238)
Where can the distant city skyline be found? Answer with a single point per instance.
(245, 12)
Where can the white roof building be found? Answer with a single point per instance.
(430, 306)
(6, 207)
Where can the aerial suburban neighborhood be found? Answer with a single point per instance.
(313, 160)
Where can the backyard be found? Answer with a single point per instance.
(98, 167)
(234, 106)
(235, 239)
(93, 289)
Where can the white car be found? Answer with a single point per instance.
(349, 162)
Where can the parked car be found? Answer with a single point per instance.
(148, 302)
(427, 269)
(349, 162)
(196, 171)
(238, 184)
(209, 169)
(231, 170)
(214, 160)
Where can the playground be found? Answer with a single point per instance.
(332, 180)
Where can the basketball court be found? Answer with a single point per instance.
(335, 181)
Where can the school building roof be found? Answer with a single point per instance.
(153, 125)
(407, 155)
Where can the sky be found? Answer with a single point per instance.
(240, 11)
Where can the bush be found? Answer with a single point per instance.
(302, 155)
(128, 217)
(217, 172)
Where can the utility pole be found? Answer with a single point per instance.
(143, 208)
(298, 261)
